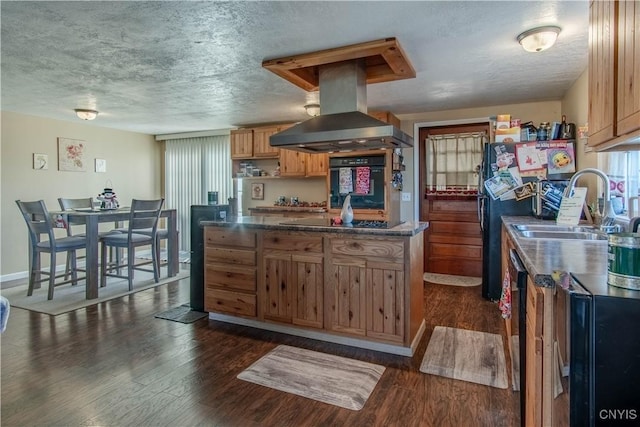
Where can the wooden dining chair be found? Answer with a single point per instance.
(144, 216)
(39, 222)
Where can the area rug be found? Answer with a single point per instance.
(452, 280)
(472, 356)
(68, 298)
(330, 379)
(515, 363)
(183, 256)
(182, 314)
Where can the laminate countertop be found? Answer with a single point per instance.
(548, 260)
(409, 228)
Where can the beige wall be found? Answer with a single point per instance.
(133, 166)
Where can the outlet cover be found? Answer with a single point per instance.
(406, 196)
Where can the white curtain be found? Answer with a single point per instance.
(193, 167)
(623, 170)
(453, 160)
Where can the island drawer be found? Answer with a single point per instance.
(230, 277)
(230, 256)
(387, 249)
(219, 236)
(238, 303)
(298, 242)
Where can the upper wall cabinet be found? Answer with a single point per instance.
(614, 74)
(385, 116)
(253, 143)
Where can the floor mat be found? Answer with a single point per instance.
(472, 356)
(182, 314)
(452, 280)
(330, 379)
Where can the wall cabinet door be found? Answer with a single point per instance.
(241, 143)
(317, 164)
(293, 163)
(628, 112)
(261, 146)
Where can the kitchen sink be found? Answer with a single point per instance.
(565, 235)
(555, 228)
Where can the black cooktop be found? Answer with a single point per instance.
(327, 222)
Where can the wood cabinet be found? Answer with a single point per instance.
(241, 143)
(317, 164)
(453, 241)
(385, 116)
(298, 164)
(367, 288)
(230, 271)
(614, 74)
(292, 282)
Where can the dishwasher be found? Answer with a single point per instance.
(518, 275)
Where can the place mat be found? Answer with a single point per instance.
(472, 356)
(330, 379)
(68, 298)
(182, 314)
(452, 280)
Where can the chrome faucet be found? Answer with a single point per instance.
(607, 223)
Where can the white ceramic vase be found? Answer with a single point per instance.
(347, 213)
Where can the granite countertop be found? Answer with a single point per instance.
(409, 228)
(543, 257)
(313, 209)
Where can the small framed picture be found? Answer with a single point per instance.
(101, 165)
(257, 191)
(40, 161)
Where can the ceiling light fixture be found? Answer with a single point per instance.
(312, 109)
(86, 114)
(538, 39)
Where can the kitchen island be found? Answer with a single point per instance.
(348, 285)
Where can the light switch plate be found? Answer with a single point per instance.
(406, 196)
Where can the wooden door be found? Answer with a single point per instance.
(348, 296)
(261, 146)
(317, 164)
(307, 282)
(293, 163)
(241, 143)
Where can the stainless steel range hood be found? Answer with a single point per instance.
(343, 124)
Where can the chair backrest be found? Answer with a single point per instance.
(145, 215)
(38, 220)
(70, 204)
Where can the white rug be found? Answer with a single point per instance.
(452, 280)
(330, 379)
(183, 256)
(68, 298)
(472, 356)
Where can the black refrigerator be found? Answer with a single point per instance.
(501, 156)
(604, 356)
(201, 213)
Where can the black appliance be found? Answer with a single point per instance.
(201, 213)
(374, 199)
(518, 275)
(604, 353)
(490, 212)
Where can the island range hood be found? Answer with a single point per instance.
(343, 123)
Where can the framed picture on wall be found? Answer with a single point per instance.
(257, 191)
(40, 161)
(71, 155)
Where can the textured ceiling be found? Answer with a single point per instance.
(169, 67)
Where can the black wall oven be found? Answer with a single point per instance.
(362, 177)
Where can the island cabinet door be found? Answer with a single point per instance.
(293, 288)
(348, 296)
(385, 301)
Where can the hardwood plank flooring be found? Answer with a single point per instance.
(114, 364)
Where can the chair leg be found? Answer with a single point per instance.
(155, 260)
(103, 265)
(32, 273)
(67, 267)
(131, 259)
(52, 275)
(74, 268)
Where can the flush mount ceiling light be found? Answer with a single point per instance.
(538, 39)
(312, 109)
(86, 114)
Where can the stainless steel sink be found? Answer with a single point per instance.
(554, 228)
(566, 235)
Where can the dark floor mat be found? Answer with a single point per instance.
(182, 314)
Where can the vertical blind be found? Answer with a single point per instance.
(193, 167)
(453, 160)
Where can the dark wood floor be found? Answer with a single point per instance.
(114, 364)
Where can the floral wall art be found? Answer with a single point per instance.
(71, 155)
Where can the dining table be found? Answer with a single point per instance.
(92, 217)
